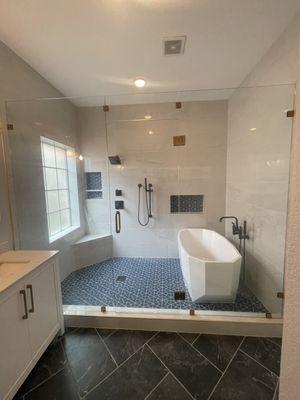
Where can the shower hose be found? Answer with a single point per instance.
(139, 207)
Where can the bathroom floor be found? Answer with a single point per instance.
(142, 283)
(138, 365)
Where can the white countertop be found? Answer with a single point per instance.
(14, 265)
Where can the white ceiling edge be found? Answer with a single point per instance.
(157, 97)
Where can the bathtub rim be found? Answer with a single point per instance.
(238, 254)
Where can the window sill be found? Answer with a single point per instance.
(62, 234)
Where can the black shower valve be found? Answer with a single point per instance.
(119, 205)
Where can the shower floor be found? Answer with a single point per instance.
(142, 283)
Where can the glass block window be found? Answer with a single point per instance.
(60, 185)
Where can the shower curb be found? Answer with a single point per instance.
(201, 322)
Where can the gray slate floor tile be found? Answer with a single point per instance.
(123, 343)
(219, 349)
(89, 360)
(169, 389)
(60, 387)
(197, 375)
(134, 380)
(264, 351)
(245, 380)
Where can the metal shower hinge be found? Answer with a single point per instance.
(280, 295)
(10, 127)
(103, 309)
(105, 108)
(290, 113)
(178, 104)
(192, 312)
(268, 315)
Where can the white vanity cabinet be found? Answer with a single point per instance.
(30, 317)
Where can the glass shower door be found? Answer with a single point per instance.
(139, 132)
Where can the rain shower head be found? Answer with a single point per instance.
(115, 160)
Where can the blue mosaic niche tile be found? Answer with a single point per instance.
(93, 180)
(94, 194)
(149, 283)
(186, 203)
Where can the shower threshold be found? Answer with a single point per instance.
(201, 321)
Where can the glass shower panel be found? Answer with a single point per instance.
(149, 166)
(61, 191)
(139, 130)
(258, 162)
(207, 154)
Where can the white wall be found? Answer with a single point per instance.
(290, 361)
(55, 119)
(258, 164)
(92, 138)
(199, 167)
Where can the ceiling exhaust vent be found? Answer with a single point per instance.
(174, 45)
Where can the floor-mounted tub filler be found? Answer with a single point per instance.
(210, 265)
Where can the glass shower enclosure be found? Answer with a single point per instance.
(111, 181)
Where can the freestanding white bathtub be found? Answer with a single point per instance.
(210, 265)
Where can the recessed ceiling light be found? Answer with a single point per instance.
(150, 132)
(252, 129)
(148, 116)
(140, 83)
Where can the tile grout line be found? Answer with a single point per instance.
(275, 391)
(119, 366)
(105, 345)
(180, 334)
(52, 375)
(112, 332)
(45, 380)
(194, 348)
(76, 384)
(156, 386)
(248, 355)
(270, 340)
(174, 376)
(194, 341)
(225, 370)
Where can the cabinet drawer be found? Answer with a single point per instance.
(42, 306)
(14, 341)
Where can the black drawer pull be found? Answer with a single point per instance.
(23, 293)
(31, 298)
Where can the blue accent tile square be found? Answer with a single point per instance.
(186, 203)
(93, 180)
(94, 194)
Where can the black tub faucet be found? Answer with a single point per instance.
(236, 229)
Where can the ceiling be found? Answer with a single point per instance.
(98, 47)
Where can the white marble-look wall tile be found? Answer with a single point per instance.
(93, 145)
(199, 167)
(57, 120)
(92, 251)
(258, 155)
